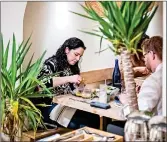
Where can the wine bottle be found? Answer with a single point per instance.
(116, 76)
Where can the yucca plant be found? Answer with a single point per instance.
(17, 87)
(123, 26)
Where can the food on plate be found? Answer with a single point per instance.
(92, 93)
(85, 93)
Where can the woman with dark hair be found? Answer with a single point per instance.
(65, 64)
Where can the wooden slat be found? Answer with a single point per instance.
(44, 133)
(75, 138)
(97, 75)
(101, 75)
(92, 130)
(89, 137)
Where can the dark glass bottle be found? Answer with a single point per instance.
(116, 76)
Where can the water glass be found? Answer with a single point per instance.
(86, 93)
(103, 96)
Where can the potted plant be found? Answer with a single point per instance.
(17, 87)
(123, 25)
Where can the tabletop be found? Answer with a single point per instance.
(76, 102)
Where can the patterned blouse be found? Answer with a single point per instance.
(51, 66)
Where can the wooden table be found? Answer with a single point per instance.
(93, 79)
(74, 102)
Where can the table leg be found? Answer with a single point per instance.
(104, 122)
(101, 122)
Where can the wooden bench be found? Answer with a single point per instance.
(96, 77)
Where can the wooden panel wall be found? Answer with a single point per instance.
(97, 75)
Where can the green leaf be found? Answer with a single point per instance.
(43, 105)
(122, 6)
(90, 33)
(143, 27)
(21, 59)
(136, 37)
(37, 95)
(118, 17)
(82, 15)
(33, 120)
(21, 49)
(2, 110)
(8, 83)
(42, 85)
(1, 47)
(101, 50)
(30, 103)
(100, 44)
(108, 35)
(5, 59)
(28, 66)
(112, 49)
(35, 69)
(14, 66)
(31, 89)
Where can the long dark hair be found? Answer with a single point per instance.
(61, 57)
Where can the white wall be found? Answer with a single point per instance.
(12, 14)
(156, 25)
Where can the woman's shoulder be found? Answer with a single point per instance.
(51, 60)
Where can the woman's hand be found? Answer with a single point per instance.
(66, 79)
(75, 79)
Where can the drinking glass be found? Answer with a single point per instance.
(103, 96)
(86, 93)
(136, 128)
(158, 128)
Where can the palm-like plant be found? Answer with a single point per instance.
(123, 26)
(17, 87)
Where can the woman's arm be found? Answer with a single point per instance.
(67, 79)
(61, 85)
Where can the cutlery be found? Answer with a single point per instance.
(106, 137)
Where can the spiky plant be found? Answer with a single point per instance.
(123, 26)
(17, 87)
